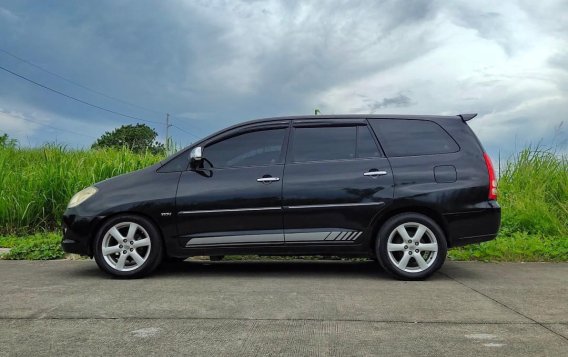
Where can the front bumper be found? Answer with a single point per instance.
(78, 232)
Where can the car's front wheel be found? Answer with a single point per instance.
(128, 246)
(411, 246)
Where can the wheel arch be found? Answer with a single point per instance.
(426, 211)
(102, 222)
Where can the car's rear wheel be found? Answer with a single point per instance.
(128, 246)
(411, 246)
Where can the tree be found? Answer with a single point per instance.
(7, 142)
(138, 138)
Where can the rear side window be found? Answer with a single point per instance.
(401, 137)
(256, 148)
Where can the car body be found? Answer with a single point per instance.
(305, 185)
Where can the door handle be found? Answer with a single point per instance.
(374, 173)
(268, 179)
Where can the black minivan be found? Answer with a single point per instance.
(399, 189)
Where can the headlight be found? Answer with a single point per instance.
(82, 196)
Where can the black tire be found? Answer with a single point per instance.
(216, 258)
(154, 256)
(411, 221)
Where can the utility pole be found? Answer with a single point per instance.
(167, 132)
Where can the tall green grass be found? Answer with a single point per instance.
(533, 193)
(36, 184)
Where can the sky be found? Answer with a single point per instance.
(213, 63)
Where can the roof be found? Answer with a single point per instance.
(358, 116)
(463, 117)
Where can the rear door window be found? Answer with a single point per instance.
(366, 146)
(400, 137)
(324, 143)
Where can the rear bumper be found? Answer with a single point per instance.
(77, 233)
(475, 226)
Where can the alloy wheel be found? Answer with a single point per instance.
(126, 246)
(412, 247)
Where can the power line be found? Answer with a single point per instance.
(79, 84)
(77, 99)
(185, 131)
(90, 89)
(184, 119)
(56, 128)
(93, 91)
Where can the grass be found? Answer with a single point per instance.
(533, 194)
(516, 247)
(36, 185)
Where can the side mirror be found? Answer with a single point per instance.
(196, 155)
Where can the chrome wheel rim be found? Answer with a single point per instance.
(126, 246)
(412, 247)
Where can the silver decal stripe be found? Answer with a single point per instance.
(332, 205)
(344, 236)
(231, 210)
(247, 238)
(298, 237)
(350, 235)
(305, 236)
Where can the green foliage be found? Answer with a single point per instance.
(516, 247)
(9, 242)
(139, 138)
(533, 193)
(7, 142)
(36, 247)
(36, 184)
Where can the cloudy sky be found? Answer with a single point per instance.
(214, 63)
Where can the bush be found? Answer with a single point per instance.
(35, 247)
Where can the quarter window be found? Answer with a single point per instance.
(256, 148)
(400, 137)
(177, 164)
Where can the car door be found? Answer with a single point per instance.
(336, 180)
(234, 196)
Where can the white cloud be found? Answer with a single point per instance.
(513, 86)
(8, 15)
(225, 61)
(15, 124)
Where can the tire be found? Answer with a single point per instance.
(397, 252)
(116, 257)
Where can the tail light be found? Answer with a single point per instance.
(492, 178)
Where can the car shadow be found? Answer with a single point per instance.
(299, 268)
(275, 269)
